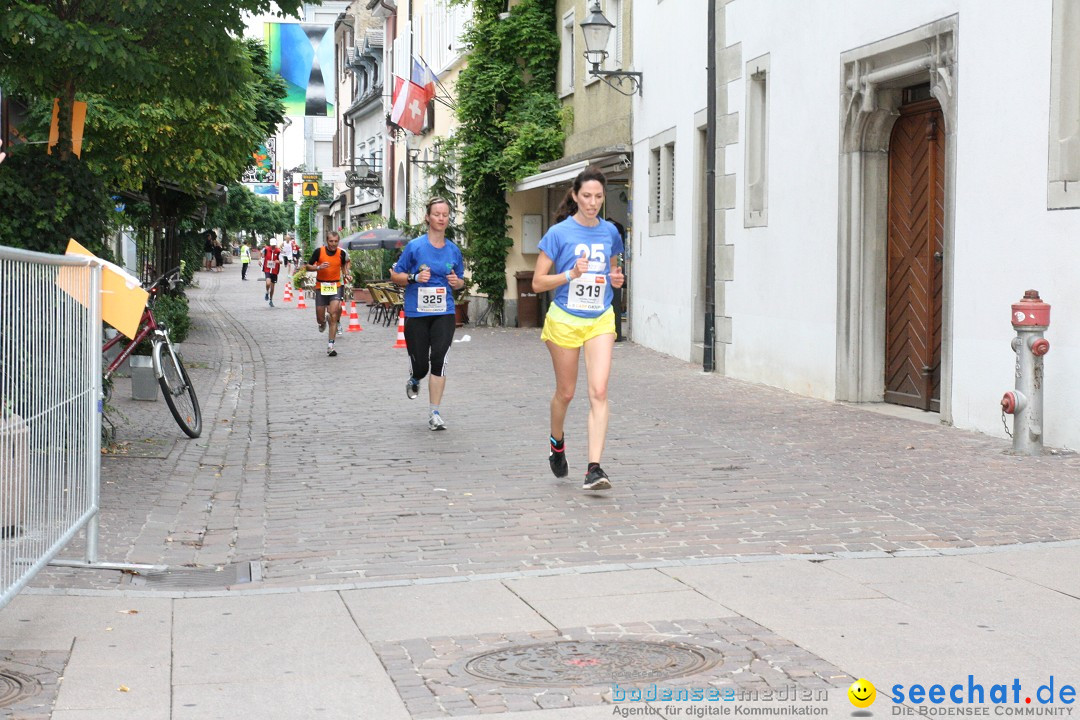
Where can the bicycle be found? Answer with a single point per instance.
(168, 367)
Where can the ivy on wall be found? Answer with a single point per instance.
(511, 122)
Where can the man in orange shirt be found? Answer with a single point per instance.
(331, 264)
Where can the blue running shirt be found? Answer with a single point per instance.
(420, 252)
(564, 243)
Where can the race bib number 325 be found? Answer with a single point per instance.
(431, 300)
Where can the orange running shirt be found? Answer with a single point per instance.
(333, 272)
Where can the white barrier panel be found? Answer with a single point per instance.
(50, 422)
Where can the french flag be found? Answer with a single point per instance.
(423, 76)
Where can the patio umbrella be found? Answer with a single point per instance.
(374, 239)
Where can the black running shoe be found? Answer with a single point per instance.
(596, 479)
(557, 460)
(412, 388)
(330, 351)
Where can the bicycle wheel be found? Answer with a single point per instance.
(179, 393)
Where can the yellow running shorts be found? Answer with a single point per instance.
(571, 331)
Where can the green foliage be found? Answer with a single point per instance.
(298, 278)
(47, 199)
(176, 103)
(189, 142)
(444, 184)
(191, 253)
(511, 122)
(370, 265)
(171, 311)
(133, 50)
(306, 229)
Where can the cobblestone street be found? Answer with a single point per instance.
(755, 541)
(322, 470)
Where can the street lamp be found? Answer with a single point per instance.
(597, 29)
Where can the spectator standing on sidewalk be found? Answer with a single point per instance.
(208, 250)
(578, 261)
(430, 269)
(219, 256)
(271, 255)
(245, 260)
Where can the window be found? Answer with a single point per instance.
(613, 12)
(662, 184)
(445, 26)
(1063, 183)
(401, 57)
(567, 55)
(756, 175)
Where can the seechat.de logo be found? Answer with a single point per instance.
(862, 693)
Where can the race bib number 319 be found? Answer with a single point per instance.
(587, 292)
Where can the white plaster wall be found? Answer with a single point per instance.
(674, 89)
(1006, 239)
(783, 297)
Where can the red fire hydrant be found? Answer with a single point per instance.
(1030, 318)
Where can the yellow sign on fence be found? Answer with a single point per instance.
(122, 297)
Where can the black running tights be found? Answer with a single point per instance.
(428, 340)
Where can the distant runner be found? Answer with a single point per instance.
(271, 267)
(331, 264)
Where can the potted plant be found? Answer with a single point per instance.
(461, 303)
(360, 265)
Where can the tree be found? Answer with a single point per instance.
(48, 199)
(175, 101)
(236, 214)
(187, 142)
(511, 122)
(270, 218)
(126, 50)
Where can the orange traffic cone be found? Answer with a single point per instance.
(354, 319)
(400, 330)
(287, 297)
(300, 304)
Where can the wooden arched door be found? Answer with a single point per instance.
(914, 272)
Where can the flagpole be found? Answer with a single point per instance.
(446, 98)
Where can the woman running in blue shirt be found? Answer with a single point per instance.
(430, 269)
(578, 260)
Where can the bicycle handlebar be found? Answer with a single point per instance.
(172, 278)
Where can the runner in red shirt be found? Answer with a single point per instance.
(271, 258)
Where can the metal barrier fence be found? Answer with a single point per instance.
(50, 422)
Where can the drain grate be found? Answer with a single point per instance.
(15, 687)
(199, 578)
(572, 663)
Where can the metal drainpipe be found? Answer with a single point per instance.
(391, 187)
(709, 361)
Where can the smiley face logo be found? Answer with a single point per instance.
(862, 693)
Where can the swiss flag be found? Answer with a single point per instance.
(410, 105)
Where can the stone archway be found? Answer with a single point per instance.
(873, 80)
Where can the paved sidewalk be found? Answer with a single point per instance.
(787, 542)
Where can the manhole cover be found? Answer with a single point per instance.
(14, 686)
(566, 663)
